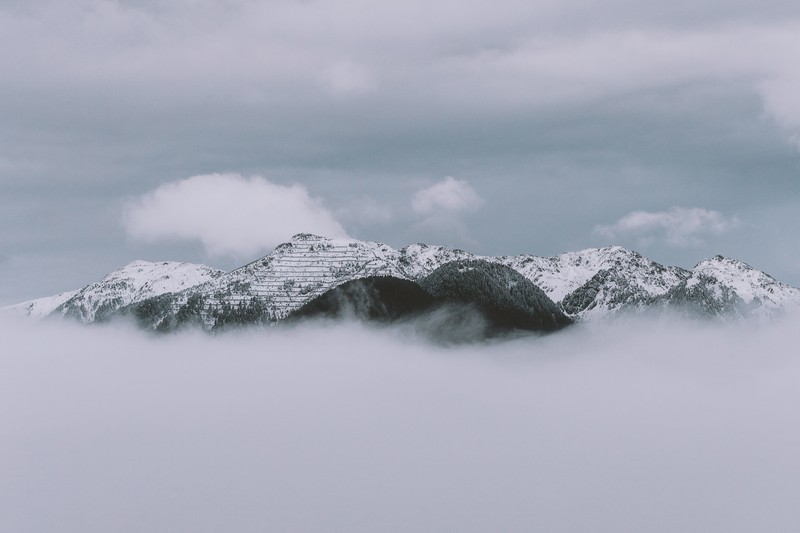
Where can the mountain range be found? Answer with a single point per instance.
(312, 276)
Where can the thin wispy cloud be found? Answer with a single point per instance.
(449, 195)
(228, 213)
(442, 210)
(677, 226)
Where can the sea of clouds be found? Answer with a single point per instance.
(634, 426)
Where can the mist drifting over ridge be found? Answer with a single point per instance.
(655, 426)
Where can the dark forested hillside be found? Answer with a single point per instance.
(375, 298)
(508, 299)
(459, 302)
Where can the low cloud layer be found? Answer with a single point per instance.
(677, 226)
(229, 214)
(646, 427)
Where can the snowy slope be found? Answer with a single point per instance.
(724, 286)
(308, 265)
(419, 260)
(749, 284)
(298, 271)
(625, 281)
(134, 282)
(561, 275)
(40, 307)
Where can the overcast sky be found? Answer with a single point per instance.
(210, 131)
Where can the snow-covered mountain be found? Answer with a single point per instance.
(295, 273)
(132, 283)
(308, 265)
(586, 285)
(725, 287)
(598, 281)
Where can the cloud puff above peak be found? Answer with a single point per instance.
(228, 213)
(449, 194)
(679, 226)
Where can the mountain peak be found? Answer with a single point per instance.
(758, 291)
(308, 237)
(720, 264)
(721, 259)
(134, 282)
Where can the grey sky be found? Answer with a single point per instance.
(561, 116)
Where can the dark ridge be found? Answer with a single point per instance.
(507, 299)
(376, 298)
(385, 300)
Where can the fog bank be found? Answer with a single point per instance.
(648, 426)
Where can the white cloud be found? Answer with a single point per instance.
(449, 195)
(441, 207)
(228, 213)
(678, 226)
